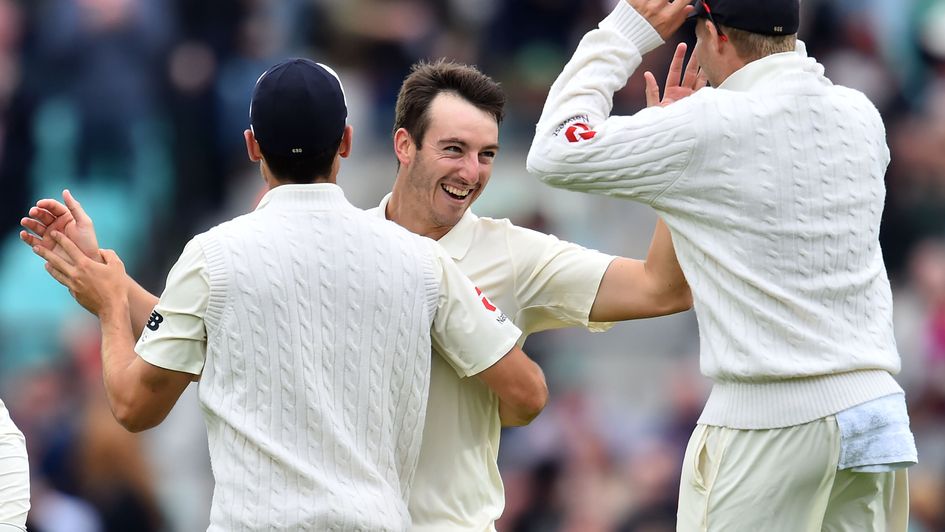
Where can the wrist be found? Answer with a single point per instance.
(633, 26)
(113, 308)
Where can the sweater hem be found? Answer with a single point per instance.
(790, 402)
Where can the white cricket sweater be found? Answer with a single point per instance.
(318, 362)
(772, 186)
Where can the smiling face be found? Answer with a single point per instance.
(442, 177)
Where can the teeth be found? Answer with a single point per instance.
(456, 191)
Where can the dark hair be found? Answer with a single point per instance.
(302, 169)
(427, 80)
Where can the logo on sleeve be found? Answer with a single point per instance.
(579, 131)
(485, 301)
(154, 321)
(491, 308)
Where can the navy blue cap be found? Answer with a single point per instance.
(298, 109)
(767, 17)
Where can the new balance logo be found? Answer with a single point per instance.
(154, 321)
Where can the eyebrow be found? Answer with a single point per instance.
(461, 142)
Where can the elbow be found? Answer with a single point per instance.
(676, 298)
(538, 166)
(682, 300)
(536, 403)
(530, 404)
(134, 420)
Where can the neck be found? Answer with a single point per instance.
(407, 216)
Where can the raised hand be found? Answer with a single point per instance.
(70, 219)
(677, 85)
(666, 17)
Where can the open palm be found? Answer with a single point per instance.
(69, 219)
(677, 85)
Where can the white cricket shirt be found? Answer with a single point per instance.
(542, 283)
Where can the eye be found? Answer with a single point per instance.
(453, 149)
(487, 156)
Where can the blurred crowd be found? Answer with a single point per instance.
(138, 107)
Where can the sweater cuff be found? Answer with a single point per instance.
(626, 21)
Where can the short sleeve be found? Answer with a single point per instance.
(469, 331)
(556, 282)
(175, 336)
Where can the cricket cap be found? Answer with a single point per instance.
(298, 109)
(767, 17)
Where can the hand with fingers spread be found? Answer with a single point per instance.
(70, 219)
(666, 17)
(98, 286)
(677, 85)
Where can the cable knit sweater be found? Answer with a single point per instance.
(772, 186)
(318, 362)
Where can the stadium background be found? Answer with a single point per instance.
(138, 106)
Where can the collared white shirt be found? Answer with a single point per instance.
(542, 283)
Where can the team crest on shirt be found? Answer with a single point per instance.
(576, 129)
(492, 308)
(579, 131)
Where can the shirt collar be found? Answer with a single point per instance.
(457, 241)
(318, 196)
(766, 69)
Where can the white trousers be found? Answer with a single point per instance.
(784, 480)
(14, 475)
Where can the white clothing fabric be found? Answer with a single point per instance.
(784, 480)
(14, 473)
(317, 321)
(542, 283)
(875, 436)
(772, 187)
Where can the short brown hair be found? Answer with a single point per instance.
(427, 80)
(753, 46)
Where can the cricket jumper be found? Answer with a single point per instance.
(773, 187)
(14, 474)
(315, 359)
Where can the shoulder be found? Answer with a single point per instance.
(517, 235)
(234, 224)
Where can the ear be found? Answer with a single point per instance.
(715, 39)
(252, 147)
(344, 149)
(404, 146)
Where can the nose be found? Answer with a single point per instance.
(469, 169)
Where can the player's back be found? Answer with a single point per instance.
(317, 364)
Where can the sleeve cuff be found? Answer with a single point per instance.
(488, 363)
(182, 364)
(626, 21)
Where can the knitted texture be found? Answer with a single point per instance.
(773, 193)
(14, 473)
(317, 365)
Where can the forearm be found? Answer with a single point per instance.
(603, 61)
(664, 272)
(117, 357)
(633, 289)
(579, 146)
(140, 303)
